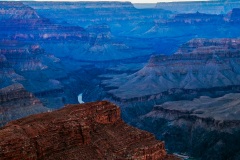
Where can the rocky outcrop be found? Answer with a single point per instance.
(12, 92)
(196, 18)
(233, 16)
(210, 46)
(23, 23)
(209, 127)
(21, 58)
(198, 65)
(210, 7)
(16, 10)
(117, 15)
(31, 66)
(16, 102)
(86, 131)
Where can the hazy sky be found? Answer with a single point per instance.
(133, 1)
(154, 1)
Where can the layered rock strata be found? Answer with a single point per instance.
(16, 102)
(200, 64)
(86, 131)
(209, 127)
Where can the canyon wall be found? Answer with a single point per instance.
(86, 131)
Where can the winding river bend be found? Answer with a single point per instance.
(80, 98)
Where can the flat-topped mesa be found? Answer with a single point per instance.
(233, 16)
(193, 18)
(202, 49)
(210, 46)
(209, 7)
(81, 5)
(83, 131)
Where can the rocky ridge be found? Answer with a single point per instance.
(210, 7)
(198, 64)
(21, 22)
(16, 102)
(210, 46)
(87, 131)
(208, 127)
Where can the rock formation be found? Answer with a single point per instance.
(209, 127)
(198, 64)
(195, 18)
(16, 10)
(21, 22)
(233, 16)
(16, 102)
(86, 131)
(210, 7)
(210, 46)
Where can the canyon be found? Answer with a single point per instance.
(173, 72)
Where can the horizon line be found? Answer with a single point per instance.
(131, 1)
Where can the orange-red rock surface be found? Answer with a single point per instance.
(83, 131)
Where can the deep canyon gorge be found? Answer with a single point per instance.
(173, 70)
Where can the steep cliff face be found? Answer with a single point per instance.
(210, 46)
(196, 18)
(26, 60)
(233, 16)
(87, 131)
(209, 7)
(21, 22)
(120, 16)
(209, 127)
(22, 57)
(16, 102)
(31, 66)
(199, 64)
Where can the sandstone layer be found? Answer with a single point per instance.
(16, 102)
(86, 131)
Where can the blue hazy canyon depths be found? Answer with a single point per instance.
(173, 69)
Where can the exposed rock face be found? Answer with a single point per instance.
(22, 23)
(209, 127)
(233, 16)
(210, 7)
(16, 102)
(36, 70)
(117, 15)
(103, 21)
(21, 58)
(196, 18)
(80, 5)
(199, 64)
(210, 46)
(19, 11)
(87, 131)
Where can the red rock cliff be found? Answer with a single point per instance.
(86, 131)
